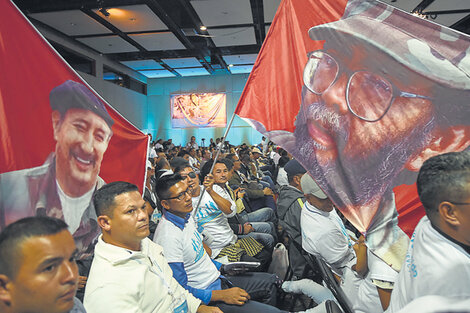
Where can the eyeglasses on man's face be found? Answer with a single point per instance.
(191, 175)
(180, 197)
(368, 95)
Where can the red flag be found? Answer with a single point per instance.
(362, 94)
(31, 68)
(50, 157)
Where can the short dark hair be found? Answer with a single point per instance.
(230, 156)
(228, 162)
(103, 199)
(164, 183)
(178, 164)
(443, 178)
(182, 153)
(205, 169)
(16, 233)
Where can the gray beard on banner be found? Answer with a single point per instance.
(349, 180)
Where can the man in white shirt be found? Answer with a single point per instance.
(324, 235)
(211, 216)
(192, 144)
(191, 264)
(129, 272)
(438, 258)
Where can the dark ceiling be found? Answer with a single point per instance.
(246, 27)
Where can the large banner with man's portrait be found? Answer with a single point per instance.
(361, 94)
(60, 140)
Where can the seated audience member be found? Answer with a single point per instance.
(289, 207)
(324, 236)
(281, 178)
(438, 258)
(129, 272)
(38, 272)
(192, 266)
(212, 216)
(261, 220)
(237, 224)
(259, 195)
(193, 161)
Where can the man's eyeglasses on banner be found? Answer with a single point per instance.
(369, 96)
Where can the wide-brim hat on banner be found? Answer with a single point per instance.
(438, 53)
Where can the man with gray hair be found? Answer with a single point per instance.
(63, 186)
(374, 108)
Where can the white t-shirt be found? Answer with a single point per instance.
(214, 221)
(434, 265)
(282, 178)
(73, 208)
(324, 235)
(185, 246)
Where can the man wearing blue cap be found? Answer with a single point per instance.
(63, 186)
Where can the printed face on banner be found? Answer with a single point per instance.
(198, 110)
(82, 139)
(82, 131)
(367, 116)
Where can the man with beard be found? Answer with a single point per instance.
(374, 107)
(63, 186)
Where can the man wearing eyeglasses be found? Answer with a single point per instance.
(438, 259)
(386, 92)
(192, 266)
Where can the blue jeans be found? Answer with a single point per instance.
(261, 215)
(266, 239)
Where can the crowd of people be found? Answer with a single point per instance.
(201, 236)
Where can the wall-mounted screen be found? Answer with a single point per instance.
(198, 110)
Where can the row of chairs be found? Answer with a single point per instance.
(317, 270)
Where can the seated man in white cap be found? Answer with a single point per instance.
(324, 236)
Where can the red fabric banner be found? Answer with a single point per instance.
(362, 94)
(33, 79)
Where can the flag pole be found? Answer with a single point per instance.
(213, 164)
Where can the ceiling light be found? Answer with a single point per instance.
(230, 65)
(203, 28)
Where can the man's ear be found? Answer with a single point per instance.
(447, 212)
(55, 123)
(104, 222)
(449, 139)
(5, 295)
(165, 204)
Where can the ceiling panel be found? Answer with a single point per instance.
(182, 62)
(143, 65)
(240, 59)
(195, 71)
(449, 19)
(405, 5)
(224, 37)
(71, 22)
(158, 41)
(270, 8)
(448, 5)
(241, 69)
(157, 74)
(108, 44)
(133, 18)
(223, 12)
